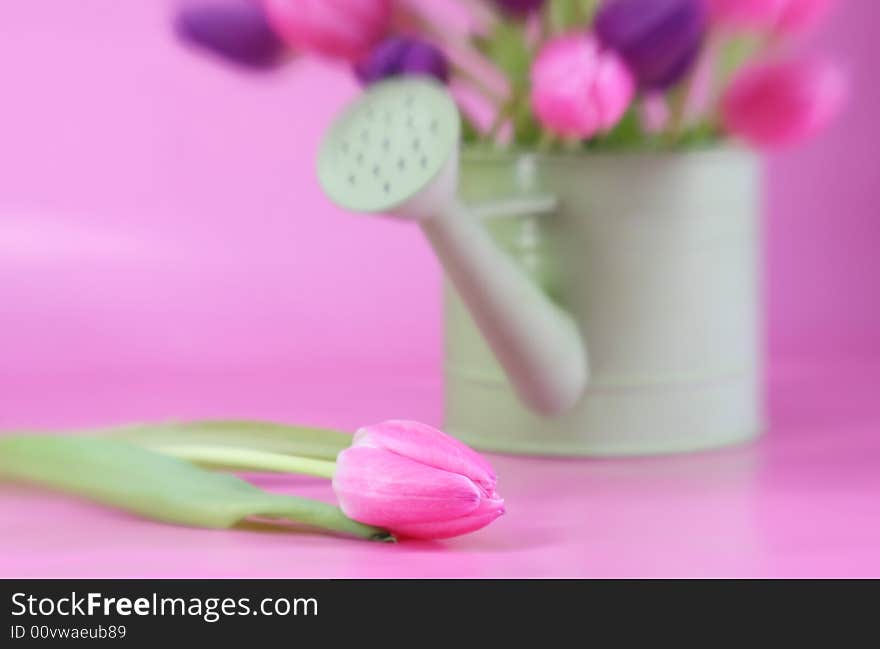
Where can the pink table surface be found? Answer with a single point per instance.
(803, 502)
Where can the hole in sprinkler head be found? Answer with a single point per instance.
(351, 180)
(401, 164)
(417, 144)
(424, 162)
(387, 188)
(376, 170)
(360, 158)
(386, 144)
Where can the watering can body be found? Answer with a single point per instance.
(603, 304)
(653, 258)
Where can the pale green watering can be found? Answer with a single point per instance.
(603, 305)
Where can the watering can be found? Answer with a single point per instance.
(646, 343)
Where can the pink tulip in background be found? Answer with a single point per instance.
(345, 29)
(781, 103)
(803, 16)
(783, 17)
(415, 481)
(578, 89)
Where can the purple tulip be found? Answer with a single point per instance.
(397, 56)
(236, 30)
(660, 40)
(519, 7)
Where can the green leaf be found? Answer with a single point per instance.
(528, 131)
(121, 474)
(627, 134)
(701, 136)
(469, 133)
(259, 436)
(565, 15)
(506, 45)
(736, 52)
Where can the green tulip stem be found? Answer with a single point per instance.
(300, 441)
(243, 459)
(547, 141)
(144, 481)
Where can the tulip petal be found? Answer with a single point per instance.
(237, 30)
(519, 7)
(578, 89)
(383, 61)
(803, 16)
(659, 39)
(429, 447)
(612, 92)
(401, 55)
(345, 29)
(488, 511)
(782, 17)
(745, 14)
(374, 484)
(781, 103)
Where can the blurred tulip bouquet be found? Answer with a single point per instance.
(592, 74)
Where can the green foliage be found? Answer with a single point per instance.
(627, 134)
(565, 15)
(469, 133)
(507, 47)
(528, 131)
(700, 136)
(736, 52)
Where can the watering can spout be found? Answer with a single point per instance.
(536, 342)
(395, 152)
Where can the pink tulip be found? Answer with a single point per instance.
(579, 89)
(416, 482)
(781, 17)
(803, 16)
(345, 29)
(781, 103)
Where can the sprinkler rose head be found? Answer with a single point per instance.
(394, 150)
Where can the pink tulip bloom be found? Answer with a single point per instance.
(776, 104)
(579, 89)
(416, 482)
(781, 17)
(803, 16)
(345, 29)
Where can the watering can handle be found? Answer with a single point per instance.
(536, 342)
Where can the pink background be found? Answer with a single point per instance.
(158, 208)
(165, 251)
